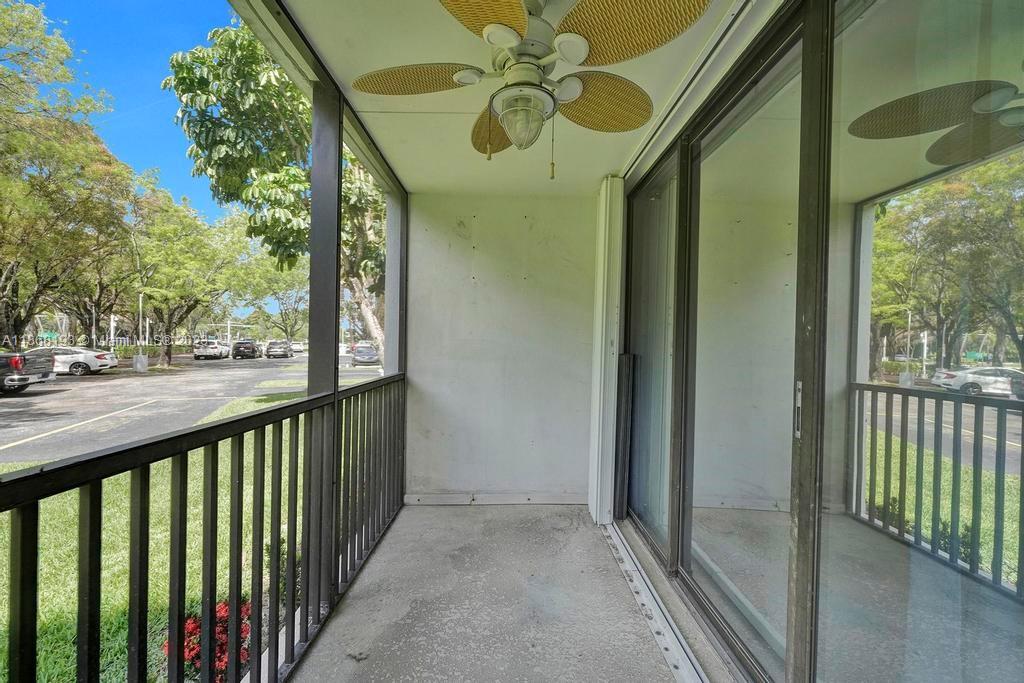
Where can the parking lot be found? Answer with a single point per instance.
(76, 415)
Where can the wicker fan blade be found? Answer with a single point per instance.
(924, 112)
(412, 79)
(618, 30)
(476, 14)
(980, 137)
(609, 103)
(499, 140)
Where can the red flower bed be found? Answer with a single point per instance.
(193, 638)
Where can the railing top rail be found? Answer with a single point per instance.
(49, 479)
(942, 394)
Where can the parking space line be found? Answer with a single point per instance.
(77, 424)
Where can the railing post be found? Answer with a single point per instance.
(235, 561)
(176, 589)
(90, 553)
(208, 616)
(24, 597)
(138, 576)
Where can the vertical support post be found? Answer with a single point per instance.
(810, 338)
(396, 260)
(324, 244)
(324, 325)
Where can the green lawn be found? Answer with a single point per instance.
(988, 498)
(59, 553)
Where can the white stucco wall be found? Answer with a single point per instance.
(500, 327)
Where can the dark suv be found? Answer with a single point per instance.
(245, 348)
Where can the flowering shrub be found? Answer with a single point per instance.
(193, 638)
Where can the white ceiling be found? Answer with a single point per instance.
(426, 137)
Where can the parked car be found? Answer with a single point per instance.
(365, 353)
(20, 370)
(79, 360)
(210, 348)
(975, 381)
(245, 348)
(297, 347)
(279, 349)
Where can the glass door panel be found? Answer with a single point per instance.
(922, 514)
(744, 377)
(652, 276)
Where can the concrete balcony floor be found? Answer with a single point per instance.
(887, 611)
(488, 593)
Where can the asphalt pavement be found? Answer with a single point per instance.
(76, 415)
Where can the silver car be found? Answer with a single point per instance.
(975, 381)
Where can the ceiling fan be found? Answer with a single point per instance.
(976, 108)
(525, 49)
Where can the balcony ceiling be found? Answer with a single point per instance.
(426, 137)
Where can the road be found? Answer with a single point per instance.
(76, 415)
(989, 442)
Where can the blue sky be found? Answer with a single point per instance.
(126, 46)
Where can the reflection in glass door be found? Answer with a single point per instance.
(744, 320)
(922, 524)
(652, 247)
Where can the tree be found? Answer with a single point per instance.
(250, 129)
(195, 263)
(63, 195)
(34, 70)
(286, 289)
(919, 266)
(952, 252)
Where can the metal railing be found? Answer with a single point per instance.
(336, 463)
(937, 484)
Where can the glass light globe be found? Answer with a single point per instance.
(522, 117)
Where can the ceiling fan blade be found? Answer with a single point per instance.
(925, 111)
(476, 14)
(609, 103)
(412, 79)
(499, 140)
(618, 30)
(980, 137)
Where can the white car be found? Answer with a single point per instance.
(80, 361)
(975, 381)
(210, 348)
(297, 347)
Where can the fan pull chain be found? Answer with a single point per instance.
(552, 148)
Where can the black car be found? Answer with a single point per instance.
(279, 349)
(245, 348)
(19, 370)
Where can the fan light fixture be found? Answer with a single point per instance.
(522, 111)
(526, 49)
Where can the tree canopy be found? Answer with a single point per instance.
(952, 252)
(250, 129)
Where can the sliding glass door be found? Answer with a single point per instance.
(746, 188)
(651, 248)
(922, 531)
